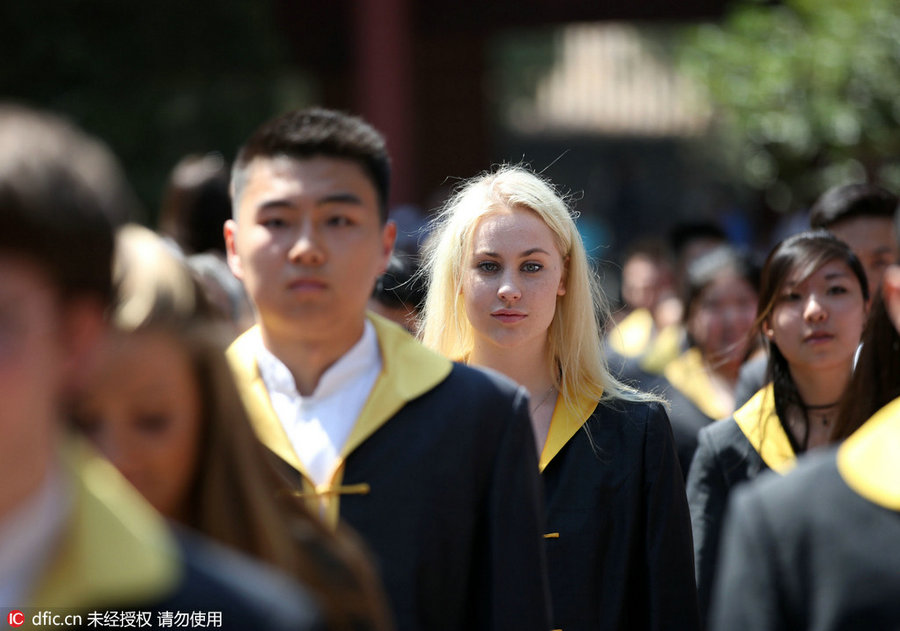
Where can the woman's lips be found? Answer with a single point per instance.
(507, 316)
(818, 337)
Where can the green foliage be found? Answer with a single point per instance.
(807, 93)
(156, 80)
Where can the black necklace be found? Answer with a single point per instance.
(821, 407)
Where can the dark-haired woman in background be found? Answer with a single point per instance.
(719, 309)
(812, 307)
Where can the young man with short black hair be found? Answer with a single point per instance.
(431, 462)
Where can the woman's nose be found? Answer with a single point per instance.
(814, 310)
(509, 291)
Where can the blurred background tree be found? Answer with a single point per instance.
(155, 81)
(806, 94)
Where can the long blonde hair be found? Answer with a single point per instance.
(579, 367)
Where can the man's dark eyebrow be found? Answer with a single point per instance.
(339, 198)
(335, 198)
(274, 204)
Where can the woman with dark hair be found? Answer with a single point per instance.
(812, 307)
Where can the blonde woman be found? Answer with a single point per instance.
(511, 289)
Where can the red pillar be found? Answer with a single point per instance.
(384, 84)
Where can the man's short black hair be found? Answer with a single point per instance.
(685, 233)
(401, 285)
(61, 192)
(319, 132)
(849, 201)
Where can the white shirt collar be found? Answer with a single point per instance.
(29, 535)
(359, 360)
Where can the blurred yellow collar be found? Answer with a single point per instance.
(869, 461)
(116, 550)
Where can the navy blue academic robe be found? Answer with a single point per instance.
(619, 533)
(729, 453)
(818, 548)
(116, 554)
(439, 477)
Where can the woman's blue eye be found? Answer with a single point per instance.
(532, 267)
(488, 266)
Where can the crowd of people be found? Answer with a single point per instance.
(261, 413)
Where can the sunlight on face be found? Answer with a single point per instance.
(142, 408)
(817, 322)
(309, 245)
(512, 279)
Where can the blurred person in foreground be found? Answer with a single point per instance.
(511, 289)
(431, 462)
(162, 406)
(76, 537)
(818, 548)
(812, 306)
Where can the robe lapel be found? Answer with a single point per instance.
(761, 426)
(565, 423)
(869, 461)
(408, 371)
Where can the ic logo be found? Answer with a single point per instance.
(15, 618)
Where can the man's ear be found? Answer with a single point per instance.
(388, 238)
(890, 293)
(234, 261)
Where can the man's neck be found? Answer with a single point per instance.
(23, 472)
(309, 358)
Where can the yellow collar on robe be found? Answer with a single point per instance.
(408, 371)
(761, 426)
(632, 336)
(687, 374)
(563, 425)
(116, 550)
(663, 350)
(869, 461)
